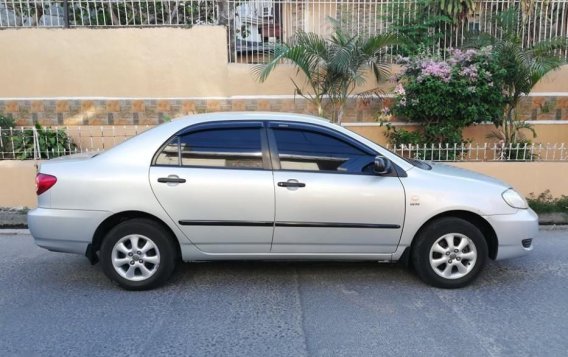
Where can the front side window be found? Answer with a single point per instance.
(231, 148)
(312, 151)
(226, 147)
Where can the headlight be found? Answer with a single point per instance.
(514, 199)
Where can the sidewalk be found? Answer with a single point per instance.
(13, 218)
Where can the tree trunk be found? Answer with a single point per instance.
(225, 16)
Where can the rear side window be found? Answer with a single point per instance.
(227, 148)
(169, 155)
(311, 151)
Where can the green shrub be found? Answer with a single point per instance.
(52, 143)
(418, 25)
(403, 136)
(545, 203)
(524, 65)
(6, 122)
(445, 96)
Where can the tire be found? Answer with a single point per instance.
(144, 268)
(449, 253)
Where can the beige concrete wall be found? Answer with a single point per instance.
(526, 177)
(128, 62)
(546, 133)
(555, 81)
(145, 63)
(17, 178)
(101, 137)
(17, 184)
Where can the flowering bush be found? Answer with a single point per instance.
(445, 96)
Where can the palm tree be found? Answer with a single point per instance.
(457, 10)
(524, 67)
(333, 67)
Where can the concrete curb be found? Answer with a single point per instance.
(13, 232)
(553, 227)
(558, 218)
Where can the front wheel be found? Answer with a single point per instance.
(138, 255)
(449, 253)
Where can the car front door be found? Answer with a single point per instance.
(215, 181)
(328, 199)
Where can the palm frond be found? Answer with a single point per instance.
(262, 71)
(507, 23)
(548, 47)
(372, 93)
(375, 44)
(333, 67)
(474, 39)
(381, 71)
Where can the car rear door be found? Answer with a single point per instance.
(328, 200)
(215, 181)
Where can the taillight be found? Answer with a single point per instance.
(44, 182)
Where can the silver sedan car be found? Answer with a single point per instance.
(268, 186)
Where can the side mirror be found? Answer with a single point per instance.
(382, 165)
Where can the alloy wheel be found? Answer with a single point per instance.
(453, 256)
(135, 257)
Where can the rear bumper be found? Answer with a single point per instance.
(511, 230)
(68, 231)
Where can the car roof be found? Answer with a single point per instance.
(229, 116)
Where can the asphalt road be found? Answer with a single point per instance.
(57, 304)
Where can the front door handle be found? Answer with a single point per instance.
(171, 179)
(291, 184)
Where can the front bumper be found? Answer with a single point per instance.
(512, 230)
(68, 231)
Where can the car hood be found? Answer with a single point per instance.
(448, 170)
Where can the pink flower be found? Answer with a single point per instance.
(469, 72)
(399, 90)
(440, 70)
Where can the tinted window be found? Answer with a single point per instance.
(170, 154)
(231, 147)
(312, 151)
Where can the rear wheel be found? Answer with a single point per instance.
(449, 253)
(138, 255)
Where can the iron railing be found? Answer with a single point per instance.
(254, 26)
(30, 143)
(107, 13)
(483, 152)
(47, 143)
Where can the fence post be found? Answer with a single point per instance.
(66, 13)
(37, 150)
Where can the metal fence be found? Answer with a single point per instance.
(48, 143)
(254, 26)
(107, 13)
(483, 152)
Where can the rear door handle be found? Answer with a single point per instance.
(291, 184)
(171, 179)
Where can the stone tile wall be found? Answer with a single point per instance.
(68, 112)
